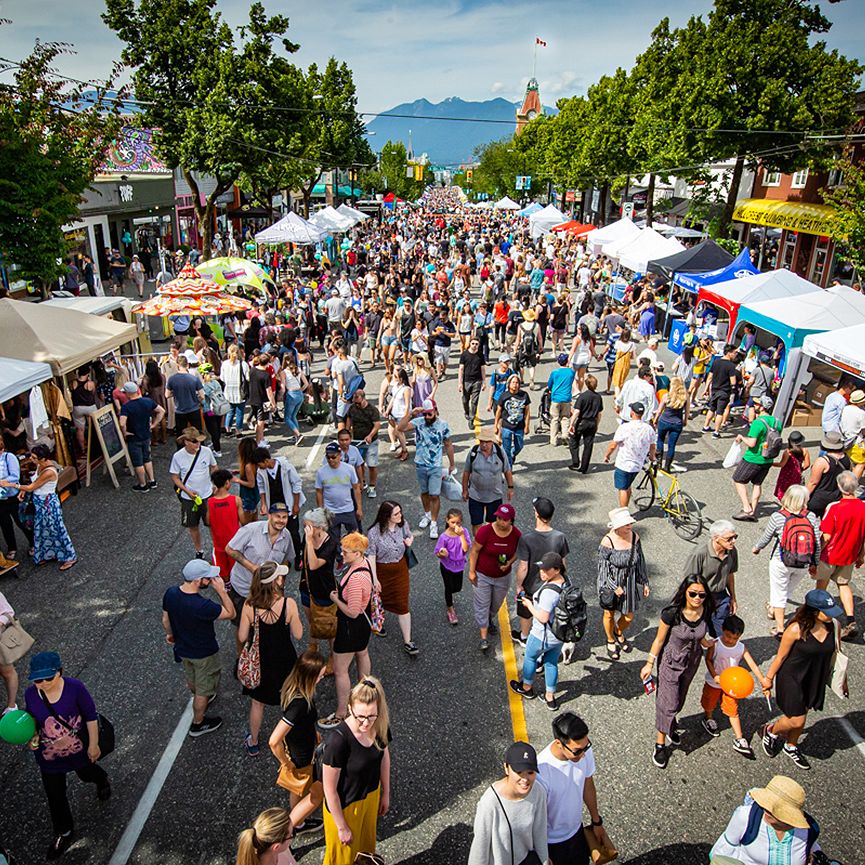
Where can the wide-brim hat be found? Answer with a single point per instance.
(529, 314)
(620, 517)
(784, 799)
(487, 434)
(190, 433)
(832, 441)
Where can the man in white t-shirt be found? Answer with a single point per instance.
(634, 441)
(566, 769)
(190, 470)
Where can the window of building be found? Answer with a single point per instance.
(800, 178)
(836, 178)
(772, 178)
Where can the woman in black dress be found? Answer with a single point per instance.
(278, 622)
(801, 670)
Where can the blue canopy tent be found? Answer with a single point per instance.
(534, 207)
(737, 268)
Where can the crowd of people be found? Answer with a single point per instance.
(426, 297)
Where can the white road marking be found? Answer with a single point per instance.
(314, 452)
(852, 734)
(151, 792)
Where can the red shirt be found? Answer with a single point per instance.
(490, 547)
(844, 521)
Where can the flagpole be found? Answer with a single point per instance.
(535, 59)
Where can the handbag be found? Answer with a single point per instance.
(105, 736)
(376, 619)
(601, 854)
(840, 663)
(179, 492)
(244, 384)
(322, 621)
(295, 780)
(15, 642)
(411, 558)
(249, 662)
(531, 857)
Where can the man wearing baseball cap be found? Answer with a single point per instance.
(561, 385)
(633, 441)
(139, 416)
(187, 389)
(188, 619)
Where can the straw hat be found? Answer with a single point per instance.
(529, 314)
(620, 517)
(784, 799)
(486, 434)
(857, 397)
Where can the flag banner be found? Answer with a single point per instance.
(540, 42)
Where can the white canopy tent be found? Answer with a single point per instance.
(19, 376)
(615, 231)
(544, 220)
(331, 220)
(291, 229)
(351, 213)
(93, 305)
(843, 348)
(506, 204)
(646, 247)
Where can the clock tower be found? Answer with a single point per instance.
(531, 106)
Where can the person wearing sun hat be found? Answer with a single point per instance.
(801, 671)
(772, 823)
(852, 425)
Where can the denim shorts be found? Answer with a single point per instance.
(622, 480)
(429, 479)
(139, 452)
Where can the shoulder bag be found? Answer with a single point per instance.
(840, 663)
(249, 661)
(15, 642)
(106, 738)
(244, 384)
(179, 492)
(322, 619)
(532, 857)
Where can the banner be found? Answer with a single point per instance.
(790, 215)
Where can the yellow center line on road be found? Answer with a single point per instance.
(515, 701)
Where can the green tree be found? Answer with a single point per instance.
(52, 141)
(205, 93)
(498, 165)
(848, 202)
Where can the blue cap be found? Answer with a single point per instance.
(562, 358)
(43, 665)
(820, 599)
(198, 569)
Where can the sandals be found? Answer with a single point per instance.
(623, 642)
(613, 653)
(67, 565)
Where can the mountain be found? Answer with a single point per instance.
(447, 142)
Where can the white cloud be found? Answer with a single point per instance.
(498, 87)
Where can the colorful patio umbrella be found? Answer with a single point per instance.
(230, 272)
(191, 294)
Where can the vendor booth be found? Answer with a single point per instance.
(357, 215)
(291, 229)
(647, 246)
(843, 349)
(736, 269)
(506, 203)
(698, 259)
(543, 221)
(529, 209)
(330, 220)
(19, 376)
(622, 229)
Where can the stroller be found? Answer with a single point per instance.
(544, 418)
(316, 410)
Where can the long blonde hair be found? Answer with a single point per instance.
(677, 396)
(272, 826)
(302, 679)
(369, 690)
(261, 594)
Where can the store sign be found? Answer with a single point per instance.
(628, 209)
(125, 191)
(789, 215)
(570, 195)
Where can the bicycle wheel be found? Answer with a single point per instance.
(644, 495)
(685, 514)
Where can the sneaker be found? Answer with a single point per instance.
(518, 637)
(217, 453)
(199, 554)
(710, 725)
(771, 743)
(797, 756)
(485, 645)
(452, 617)
(152, 484)
(433, 530)
(492, 629)
(741, 746)
(12, 708)
(573, 468)
(410, 649)
(60, 845)
(371, 493)
(716, 435)
(311, 824)
(425, 520)
(552, 705)
(141, 488)
(661, 756)
(251, 748)
(393, 447)
(298, 440)
(675, 734)
(207, 725)
(517, 688)
(849, 631)
(103, 793)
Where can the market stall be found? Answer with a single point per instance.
(506, 203)
(645, 247)
(531, 209)
(698, 259)
(622, 229)
(574, 227)
(348, 211)
(542, 222)
(291, 229)
(330, 220)
(740, 266)
(19, 376)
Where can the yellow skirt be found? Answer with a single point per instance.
(362, 818)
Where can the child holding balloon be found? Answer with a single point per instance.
(727, 683)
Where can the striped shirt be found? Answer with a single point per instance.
(775, 528)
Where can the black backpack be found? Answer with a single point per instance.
(476, 449)
(570, 616)
(529, 342)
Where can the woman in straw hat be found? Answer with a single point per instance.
(772, 826)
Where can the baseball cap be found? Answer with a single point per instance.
(551, 560)
(198, 569)
(820, 599)
(278, 508)
(43, 665)
(637, 408)
(429, 405)
(767, 402)
(522, 757)
(130, 387)
(562, 358)
(332, 448)
(544, 508)
(504, 358)
(506, 512)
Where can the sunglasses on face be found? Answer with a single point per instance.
(429, 414)
(730, 537)
(44, 681)
(696, 594)
(577, 752)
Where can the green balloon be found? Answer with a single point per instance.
(17, 727)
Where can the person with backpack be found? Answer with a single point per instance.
(764, 445)
(771, 823)
(485, 468)
(527, 347)
(543, 644)
(796, 532)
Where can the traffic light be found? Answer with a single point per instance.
(468, 175)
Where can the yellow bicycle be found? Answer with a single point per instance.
(680, 508)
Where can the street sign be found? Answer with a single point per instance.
(628, 209)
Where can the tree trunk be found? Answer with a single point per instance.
(730, 206)
(650, 201)
(603, 204)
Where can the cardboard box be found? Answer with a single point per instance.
(805, 416)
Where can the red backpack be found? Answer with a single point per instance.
(798, 542)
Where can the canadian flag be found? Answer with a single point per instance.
(540, 42)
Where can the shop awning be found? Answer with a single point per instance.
(843, 348)
(792, 215)
(18, 376)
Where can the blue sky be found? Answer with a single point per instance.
(401, 51)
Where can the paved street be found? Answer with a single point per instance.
(450, 709)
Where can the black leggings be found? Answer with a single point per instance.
(453, 581)
(500, 333)
(213, 422)
(9, 516)
(58, 803)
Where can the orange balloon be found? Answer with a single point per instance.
(736, 682)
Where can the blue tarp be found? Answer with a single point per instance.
(739, 267)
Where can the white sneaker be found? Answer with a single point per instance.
(393, 447)
(425, 520)
(433, 530)
(12, 708)
(371, 493)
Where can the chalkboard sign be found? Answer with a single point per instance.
(105, 428)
